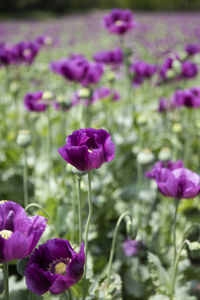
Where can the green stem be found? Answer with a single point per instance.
(112, 251)
(31, 295)
(6, 283)
(174, 228)
(73, 211)
(175, 270)
(25, 185)
(79, 210)
(48, 151)
(45, 212)
(69, 294)
(87, 230)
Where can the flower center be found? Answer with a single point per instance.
(3, 201)
(90, 150)
(119, 22)
(27, 52)
(5, 234)
(59, 266)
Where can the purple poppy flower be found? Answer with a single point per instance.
(33, 102)
(44, 40)
(133, 247)
(167, 65)
(92, 74)
(189, 98)
(162, 105)
(6, 55)
(54, 267)
(179, 183)
(192, 49)
(72, 69)
(142, 70)
(112, 57)
(189, 69)
(104, 92)
(88, 149)
(119, 21)
(25, 52)
(170, 165)
(19, 234)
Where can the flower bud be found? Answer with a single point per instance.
(170, 74)
(111, 76)
(131, 230)
(145, 157)
(176, 65)
(165, 154)
(177, 127)
(47, 95)
(21, 265)
(24, 138)
(84, 93)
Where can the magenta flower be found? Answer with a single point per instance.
(104, 92)
(88, 149)
(72, 69)
(189, 98)
(178, 183)
(25, 52)
(19, 234)
(54, 267)
(113, 57)
(34, 102)
(92, 74)
(192, 49)
(170, 165)
(119, 21)
(133, 247)
(189, 69)
(142, 70)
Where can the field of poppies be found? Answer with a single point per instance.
(99, 157)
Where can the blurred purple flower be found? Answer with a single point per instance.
(19, 234)
(192, 49)
(119, 21)
(34, 102)
(25, 52)
(141, 71)
(44, 40)
(189, 98)
(133, 247)
(170, 165)
(112, 57)
(179, 183)
(88, 149)
(189, 69)
(93, 74)
(54, 267)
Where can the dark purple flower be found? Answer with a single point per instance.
(170, 64)
(170, 165)
(189, 69)
(25, 52)
(19, 234)
(192, 49)
(162, 105)
(6, 55)
(88, 149)
(34, 102)
(44, 40)
(189, 98)
(133, 247)
(142, 70)
(112, 57)
(179, 183)
(72, 69)
(119, 21)
(54, 267)
(92, 74)
(104, 92)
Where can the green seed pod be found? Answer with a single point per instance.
(21, 265)
(24, 138)
(131, 230)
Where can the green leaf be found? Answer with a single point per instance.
(159, 275)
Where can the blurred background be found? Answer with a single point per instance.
(23, 7)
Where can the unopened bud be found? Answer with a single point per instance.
(24, 138)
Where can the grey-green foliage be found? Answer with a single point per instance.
(159, 275)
